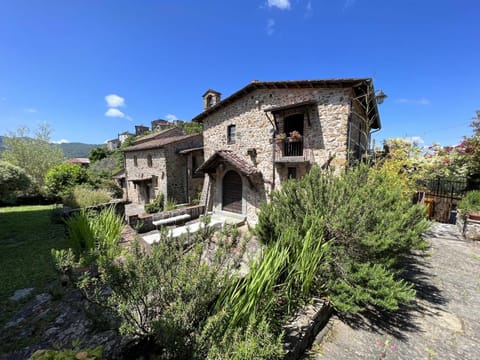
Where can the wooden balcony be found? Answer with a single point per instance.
(290, 152)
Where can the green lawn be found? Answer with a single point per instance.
(27, 234)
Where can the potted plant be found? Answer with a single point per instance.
(470, 205)
(280, 137)
(295, 136)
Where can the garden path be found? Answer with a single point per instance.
(445, 322)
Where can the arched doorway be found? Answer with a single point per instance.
(232, 192)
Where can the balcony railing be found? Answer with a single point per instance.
(292, 148)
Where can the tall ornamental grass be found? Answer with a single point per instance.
(95, 233)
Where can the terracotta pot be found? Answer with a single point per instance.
(474, 216)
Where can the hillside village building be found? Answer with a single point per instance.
(268, 132)
(163, 162)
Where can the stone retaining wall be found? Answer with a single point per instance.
(469, 228)
(301, 331)
(145, 221)
(118, 204)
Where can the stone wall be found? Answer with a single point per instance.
(144, 222)
(469, 228)
(158, 172)
(325, 134)
(169, 172)
(179, 170)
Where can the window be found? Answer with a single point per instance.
(210, 101)
(231, 129)
(292, 173)
(149, 161)
(135, 161)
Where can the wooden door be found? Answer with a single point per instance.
(232, 192)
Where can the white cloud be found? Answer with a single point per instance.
(415, 140)
(270, 27)
(114, 101)
(114, 113)
(281, 4)
(421, 101)
(62, 141)
(171, 117)
(30, 110)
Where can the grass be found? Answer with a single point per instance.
(27, 235)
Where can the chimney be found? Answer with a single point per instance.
(210, 99)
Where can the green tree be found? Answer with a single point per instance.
(36, 155)
(191, 128)
(470, 150)
(98, 153)
(61, 179)
(12, 180)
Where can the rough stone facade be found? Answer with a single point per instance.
(329, 131)
(153, 169)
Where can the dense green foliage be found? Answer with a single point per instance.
(470, 149)
(191, 128)
(98, 153)
(68, 354)
(62, 178)
(165, 298)
(156, 205)
(470, 202)
(93, 235)
(13, 180)
(362, 224)
(85, 196)
(35, 155)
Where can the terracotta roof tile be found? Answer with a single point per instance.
(229, 157)
(157, 143)
(290, 84)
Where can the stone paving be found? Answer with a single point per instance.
(445, 322)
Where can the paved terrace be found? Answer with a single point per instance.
(444, 324)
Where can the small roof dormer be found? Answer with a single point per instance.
(211, 98)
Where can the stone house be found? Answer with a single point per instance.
(164, 162)
(268, 132)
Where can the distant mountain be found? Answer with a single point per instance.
(76, 150)
(71, 150)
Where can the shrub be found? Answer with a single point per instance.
(61, 179)
(83, 196)
(256, 341)
(163, 297)
(170, 205)
(156, 205)
(470, 202)
(359, 226)
(13, 179)
(93, 234)
(88, 354)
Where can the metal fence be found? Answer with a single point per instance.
(443, 187)
(441, 197)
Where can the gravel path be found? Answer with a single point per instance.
(444, 324)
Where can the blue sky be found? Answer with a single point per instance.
(59, 60)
